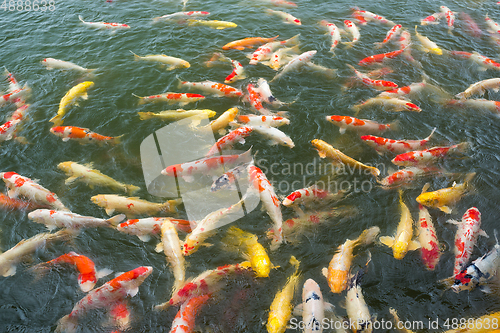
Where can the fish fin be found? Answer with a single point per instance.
(11, 271)
(454, 222)
(324, 271)
(133, 291)
(159, 247)
(51, 227)
(115, 220)
(413, 245)
(387, 240)
(144, 238)
(328, 307)
(86, 286)
(67, 323)
(297, 311)
(131, 189)
(242, 141)
(120, 315)
(12, 193)
(85, 96)
(109, 211)
(103, 272)
(71, 180)
(206, 244)
(57, 120)
(65, 139)
(188, 179)
(342, 130)
(445, 209)
(483, 233)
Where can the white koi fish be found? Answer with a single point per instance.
(256, 120)
(266, 94)
(133, 206)
(275, 136)
(146, 227)
(427, 44)
(56, 219)
(172, 62)
(356, 307)
(296, 63)
(334, 32)
(180, 16)
(51, 63)
(171, 246)
(479, 88)
(264, 51)
(213, 88)
(171, 98)
(352, 29)
(312, 307)
(111, 295)
(287, 18)
(214, 24)
(104, 25)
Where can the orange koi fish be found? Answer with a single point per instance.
(184, 321)
(381, 57)
(248, 42)
(377, 84)
(111, 295)
(383, 145)
(228, 140)
(213, 88)
(83, 135)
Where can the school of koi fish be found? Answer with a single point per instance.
(412, 172)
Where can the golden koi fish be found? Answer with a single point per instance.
(428, 45)
(134, 206)
(78, 91)
(177, 114)
(214, 24)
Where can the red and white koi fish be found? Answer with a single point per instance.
(413, 88)
(144, 228)
(206, 283)
(312, 309)
(428, 156)
(381, 57)
(334, 32)
(248, 42)
(353, 30)
(229, 178)
(394, 104)
(270, 201)
(432, 19)
(465, 238)
(450, 17)
(204, 165)
(266, 95)
(494, 27)
(13, 83)
(87, 276)
(264, 51)
(238, 72)
(255, 100)
(83, 135)
(310, 194)
(281, 3)
(184, 321)
(171, 98)
(228, 140)
(20, 112)
(493, 106)
(180, 16)
(406, 176)
(20, 185)
(18, 95)
(213, 88)
(104, 25)
(471, 27)
(134, 206)
(10, 258)
(357, 15)
(15, 204)
(427, 238)
(480, 88)
(58, 219)
(377, 84)
(207, 227)
(282, 56)
(484, 62)
(404, 43)
(8, 130)
(111, 295)
(383, 145)
(296, 63)
(51, 63)
(275, 136)
(171, 247)
(360, 125)
(391, 34)
(369, 16)
(340, 265)
(287, 18)
(256, 120)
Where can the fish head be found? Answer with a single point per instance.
(463, 281)
(400, 249)
(87, 84)
(99, 200)
(261, 265)
(65, 166)
(58, 130)
(132, 279)
(190, 246)
(128, 225)
(310, 289)
(428, 199)
(171, 170)
(185, 64)
(337, 280)
(287, 142)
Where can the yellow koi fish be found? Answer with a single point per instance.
(78, 91)
(281, 307)
(214, 24)
(93, 177)
(427, 44)
(218, 125)
(177, 114)
(134, 206)
(445, 197)
(252, 250)
(171, 246)
(326, 150)
(402, 243)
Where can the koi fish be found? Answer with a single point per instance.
(485, 63)
(296, 63)
(312, 309)
(465, 238)
(144, 228)
(246, 243)
(83, 135)
(494, 27)
(445, 197)
(427, 238)
(248, 42)
(478, 273)
(394, 104)
(266, 95)
(480, 88)
(280, 310)
(171, 98)
(432, 19)
(51, 63)
(265, 50)
(356, 307)
(13, 83)
(427, 44)
(383, 145)
(56, 219)
(450, 17)
(213, 88)
(376, 84)
(8, 129)
(173, 62)
(406, 176)
(360, 125)
(399, 323)
(256, 120)
(369, 16)
(286, 17)
(110, 295)
(20, 185)
(255, 99)
(357, 15)
(219, 124)
(283, 56)
(9, 203)
(274, 135)
(428, 156)
(184, 321)
(281, 3)
(228, 140)
(203, 166)
(92, 177)
(493, 106)
(310, 194)
(16, 96)
(171, 246)
(177, 114)
(237, 74)
(87, 275)
(334, 33)
(471, 27)
(229, 178)
(381, 57)
(206, 227)
(353, 31)
(326, 150)
(270, 201)
(10, 258)
(413, 88)
(391, 34)
(214, 24)
(104, 25)
(206, 283)
(340, 265)
(78, 91)
(134, 206)
(402, 242)
(180, 16)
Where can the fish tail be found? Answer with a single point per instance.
(66, 324)
(348, 44)
(448, 282)
(368, 236)
(145, 115)
(171, 205)
(429, 137)
(141, 100)
(57, 120)
(136, 57)
(131, 189)
(81, 18)
(462, 147)
(293, 40)
(374, 171)
(238, 239)
(117, 139)
(40, 269)
(115, 220)
(162, 306)
(395, 125)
